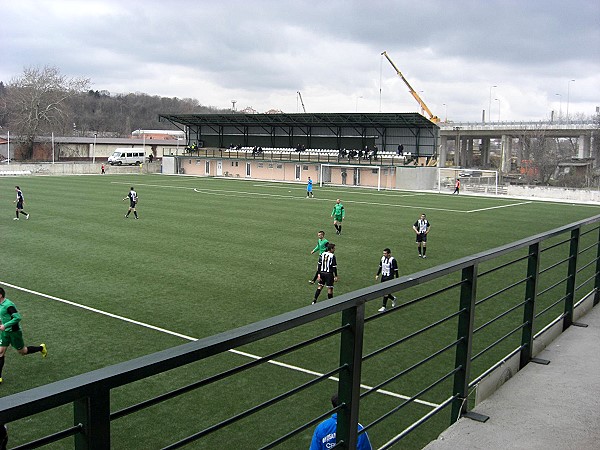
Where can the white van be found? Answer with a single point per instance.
(122, 156)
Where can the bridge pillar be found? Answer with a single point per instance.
(456, 158)
(463, 153)
(485, 152)
(595, 149)
(584, 146)
(443, 151)
(506, 153)
(469, 153)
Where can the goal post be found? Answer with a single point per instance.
(474, 180)
(350, 175)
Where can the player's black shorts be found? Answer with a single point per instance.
(386, 278)
(326, 279)
(421, 237)
(19, 205)
(132, 204)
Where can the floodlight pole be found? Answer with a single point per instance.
(94, 150)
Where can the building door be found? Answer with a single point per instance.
(248, 165)
(298, 172)
(219, 168)
(207, 168)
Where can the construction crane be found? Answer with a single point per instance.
(434, 119)
(301, 101)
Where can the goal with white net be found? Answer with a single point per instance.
(473, 180)
(351, 175)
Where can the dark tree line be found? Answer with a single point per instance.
(119, 115)
(42, 101)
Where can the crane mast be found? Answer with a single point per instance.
(424, 107)
(301, 101)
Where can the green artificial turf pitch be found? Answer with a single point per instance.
(208, 255)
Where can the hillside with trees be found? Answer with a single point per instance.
(42, 101)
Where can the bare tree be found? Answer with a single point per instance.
(36, 103)
(544, 152)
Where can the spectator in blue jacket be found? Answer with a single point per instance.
(324, 435)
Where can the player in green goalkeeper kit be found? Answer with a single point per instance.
(11, 332)
(338, 213)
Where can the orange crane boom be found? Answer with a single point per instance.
(301, 101)
(433, 118)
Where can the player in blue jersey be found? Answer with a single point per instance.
(309, 188)
(324, 436)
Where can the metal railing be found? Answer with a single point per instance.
(457, 323)
(308, 156)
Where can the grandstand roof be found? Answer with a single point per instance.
(363, 120)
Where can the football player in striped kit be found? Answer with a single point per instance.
(388, 269)
(421, 228)
(327, 272)
(133, 199)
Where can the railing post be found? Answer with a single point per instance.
(353, 319)
(597, 282)
(468, 293)
(533, 270)
(572, 272)
(93, 413)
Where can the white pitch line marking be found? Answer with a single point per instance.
(496, 207)
(292, 197)
(189, 338)
(317, 374)
(229, 193)
(98, 311)
(214, 192)
(398, 194)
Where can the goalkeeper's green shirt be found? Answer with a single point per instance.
(9, 316)
(338, 211)
(321, 246)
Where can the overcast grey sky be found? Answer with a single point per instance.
(261, 52)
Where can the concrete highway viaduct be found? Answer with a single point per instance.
(507, 139)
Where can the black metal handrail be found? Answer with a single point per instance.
(90, 393)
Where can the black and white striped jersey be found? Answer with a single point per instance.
(327, 263)
(388, 267)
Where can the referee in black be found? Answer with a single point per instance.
(327, 272)
(388, 269)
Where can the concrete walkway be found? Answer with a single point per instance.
(554, 406)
